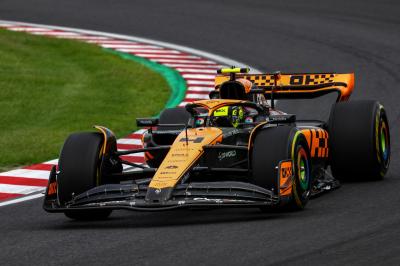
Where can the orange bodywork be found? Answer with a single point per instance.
(299, 84)
(317, 140)
(183, 155)
(52, 188)
(246, 83)
(285, 178)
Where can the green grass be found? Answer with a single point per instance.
(50, 88)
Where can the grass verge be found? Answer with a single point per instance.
(51, 87)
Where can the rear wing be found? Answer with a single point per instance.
(297, 86)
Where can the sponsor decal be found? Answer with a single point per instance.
(225, 155)
(231, 133)
(178, 154)
(196, 140)
(285, 177)
(286, 171)
(311, 79)
(146, 122)
(159, 183)
(223, 111)
(167, 173)
(176, 161)
(278, 118)
(167, 132)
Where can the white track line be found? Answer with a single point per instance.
(197, 96)
(191, 70)
(199, 76)
(194, 88)
(148, 51)
(129, 141)
(18, 200)
(19, 189)
(131, 47)
(193, 66)
(199, 82)
(27, 173)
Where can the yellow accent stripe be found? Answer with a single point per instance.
(102, 130)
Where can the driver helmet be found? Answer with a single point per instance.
(229, 116)
(200, 122)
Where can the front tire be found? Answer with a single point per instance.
(79, 171)
(273, 145)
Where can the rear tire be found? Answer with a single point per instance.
(359, 141)
(79, 171)
(273, 145)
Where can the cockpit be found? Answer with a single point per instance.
(238, 116)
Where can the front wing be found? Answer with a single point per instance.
(132, 196)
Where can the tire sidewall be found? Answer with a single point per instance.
(301, 188)
(79, 165)
(382, 126)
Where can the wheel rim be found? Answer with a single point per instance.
(303, 168)
(384, 146)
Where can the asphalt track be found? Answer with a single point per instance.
(358, 224)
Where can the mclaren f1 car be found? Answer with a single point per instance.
(232, 150)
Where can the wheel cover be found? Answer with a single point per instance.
(303, 168)
(384, 146)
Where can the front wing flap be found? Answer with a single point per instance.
(133, 196)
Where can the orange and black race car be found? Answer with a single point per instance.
(233, 150)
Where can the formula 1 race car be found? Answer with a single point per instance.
(233, 150)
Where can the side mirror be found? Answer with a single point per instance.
(214, 94)
(286, 118)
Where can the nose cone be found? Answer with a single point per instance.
(157, 196)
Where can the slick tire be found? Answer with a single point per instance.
(78, 164)
(359, 141)
(78, 167)
(79, 171)
(273, 145)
